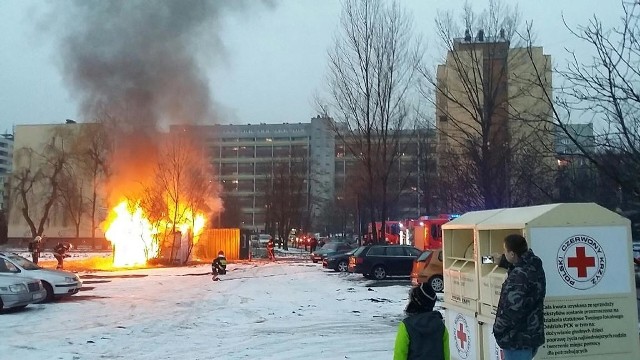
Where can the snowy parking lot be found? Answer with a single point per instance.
(283, 310)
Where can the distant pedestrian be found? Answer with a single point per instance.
(219, 266)
(422, 334)
(313, 244)
(271, 250)
(60, 252)
(35, 247)
(519, 324)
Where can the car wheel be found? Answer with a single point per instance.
(50, 295)
(437, 283)
(1, 305)
(379, 273)
(342, 266)
(314, 261)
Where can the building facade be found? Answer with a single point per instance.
(493, 117)
(243, 158)
(6, 164)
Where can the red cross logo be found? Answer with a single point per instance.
(581, 261)
(461, 335)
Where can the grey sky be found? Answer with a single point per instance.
(273, 63)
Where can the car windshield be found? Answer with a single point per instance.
(23, 263)
(424, 256)
(331, 246)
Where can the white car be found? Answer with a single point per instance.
(57, 283)
(18, 292)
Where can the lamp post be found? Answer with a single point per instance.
(418, 196)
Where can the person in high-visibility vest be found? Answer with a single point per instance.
(422, 334)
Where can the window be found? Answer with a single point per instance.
(414, 252)
(424, 255)
(7, 267)
(245, 151)
(245, 168)
(443, 118)
(395, 251)
(245, 185)
(264, 151)
(376, 251)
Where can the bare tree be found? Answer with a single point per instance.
(286, 194)
(94, 150)
(37, 178)
(372, 74)
(71, 198)
(183, 184)
(604, 89)
(490, 118)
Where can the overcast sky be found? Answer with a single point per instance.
(272, 63)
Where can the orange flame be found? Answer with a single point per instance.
(136, 239)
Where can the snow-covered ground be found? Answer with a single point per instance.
(260, 310)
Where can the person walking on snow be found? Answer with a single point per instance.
(519, 324)
(60, 252)
(422, 334)
(270, 250)
(219, 266)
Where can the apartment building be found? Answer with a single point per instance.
(243, 158)
(491, 109)
(6, 162)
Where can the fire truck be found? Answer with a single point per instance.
(423, 233)
(427, 231)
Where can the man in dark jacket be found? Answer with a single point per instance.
(35, 247)
(60, 252)
(519, 324)
(219, 266)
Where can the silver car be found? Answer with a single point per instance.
(18, 292)
(57, 283)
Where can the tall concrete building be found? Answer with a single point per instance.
(6, 164)
(491, 109)
(243, 158)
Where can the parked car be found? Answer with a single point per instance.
(57, 283)
(330, 249)
(428, 268)
(338, 262)
(17, 292)
(380, 261)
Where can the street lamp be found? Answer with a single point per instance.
(419, 195)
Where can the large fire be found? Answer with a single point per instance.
(136, 238)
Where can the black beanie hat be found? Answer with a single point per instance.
(424, 296)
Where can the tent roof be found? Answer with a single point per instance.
(471, 219)
(553, 215)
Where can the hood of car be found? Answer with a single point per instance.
(49, 273)
(6, 280)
